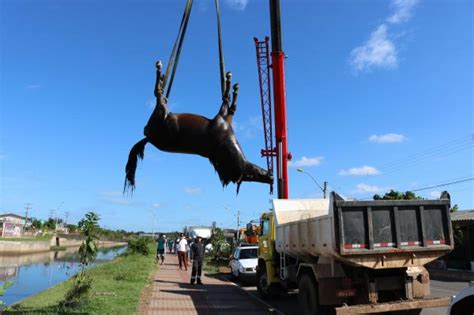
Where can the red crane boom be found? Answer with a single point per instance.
(278, 72)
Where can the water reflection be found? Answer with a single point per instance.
(32, 273)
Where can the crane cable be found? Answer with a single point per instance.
(221, 53)
(176, 52)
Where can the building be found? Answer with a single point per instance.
(462, 257)
(12, 225)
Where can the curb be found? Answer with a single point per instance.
(270, 308)
(451, 275)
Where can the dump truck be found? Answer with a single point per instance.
(356, 257)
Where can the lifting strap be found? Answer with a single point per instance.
(174, 58)
(176, 52)
(221, 53)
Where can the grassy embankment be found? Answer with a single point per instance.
(116, 289)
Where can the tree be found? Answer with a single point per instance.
(219, 245)
(36, 224)
(72, 228)
(89, 229)
(397, 195)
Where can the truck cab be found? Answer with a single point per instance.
(268, 281)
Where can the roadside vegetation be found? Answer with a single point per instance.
(219, 256)
(115, 289)
(111, 288)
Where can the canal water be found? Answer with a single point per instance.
(33, 273)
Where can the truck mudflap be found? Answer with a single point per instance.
(392, 306)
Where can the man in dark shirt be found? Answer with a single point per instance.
(197, 255)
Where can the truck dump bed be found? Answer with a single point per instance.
(375, 234)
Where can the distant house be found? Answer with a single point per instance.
(462, 257)
(12, 225)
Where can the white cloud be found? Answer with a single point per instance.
(387, 138)
(115, 198)
(403, 11)
(250, 128)
(434, 194)
(237, 4)
(157, 205)
(193, 191)
(307, 161)
(365, 188)
(360, 171)
(150, 103)
(378, 51)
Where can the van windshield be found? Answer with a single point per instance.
(248, 253)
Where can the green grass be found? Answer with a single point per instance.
(116, 289)
(29, 238)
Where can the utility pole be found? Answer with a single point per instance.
(56, 219)
(325, 188)
(66, 217)
(238, 225)
(153, 230)
(27, 208)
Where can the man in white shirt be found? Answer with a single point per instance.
(182, 246)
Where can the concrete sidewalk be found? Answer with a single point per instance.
(171, 293)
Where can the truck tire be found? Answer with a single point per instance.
(264, 287)
(308, 296)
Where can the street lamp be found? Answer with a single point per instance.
(312, 178)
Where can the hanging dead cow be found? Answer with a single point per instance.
(194, 134)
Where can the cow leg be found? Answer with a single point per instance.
(223, 111)
(161, 108)
(233, 106)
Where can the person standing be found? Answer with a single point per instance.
(182, 253)
(160, 248)
(170, 245)
(197, 255)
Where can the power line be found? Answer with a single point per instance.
(445, 184)
(443, 151)
(450, 145)
(434, 186)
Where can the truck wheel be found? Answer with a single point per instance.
(308, 296)
(264, 287)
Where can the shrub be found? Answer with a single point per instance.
(78, 293)
(139, 246)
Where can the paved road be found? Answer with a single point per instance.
(288, 302)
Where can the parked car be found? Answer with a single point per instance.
(463, 302)
(243, 263)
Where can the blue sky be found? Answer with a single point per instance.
(379, 95)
